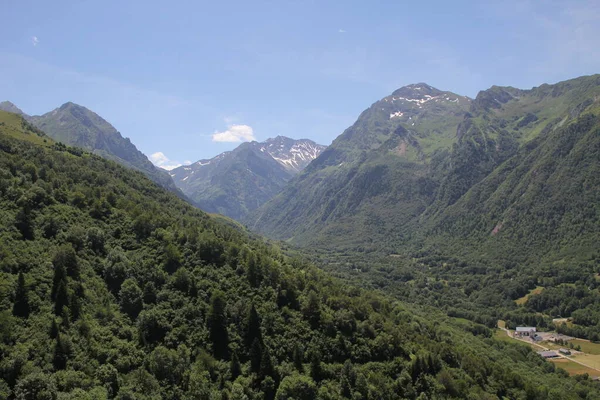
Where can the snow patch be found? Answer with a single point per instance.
(396, 114)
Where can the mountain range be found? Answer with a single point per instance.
(428, 166)
(237, 182)
(75, 125)
(112, 287)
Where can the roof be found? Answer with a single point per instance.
(525, 328)
(548, 353)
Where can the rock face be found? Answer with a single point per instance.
(236, 182)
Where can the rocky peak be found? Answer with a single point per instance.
(10, 107)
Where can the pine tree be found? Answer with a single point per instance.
(75, 307)
(21, 306)
(60, 276)
(255, 356)
(62, 298)
(266, 364)
(65, 320)
(235, 367)
(217, 325)
(54, 331)
(298, 358)
(253, 327)
(316, 369)
(254, 272)
(62, 351)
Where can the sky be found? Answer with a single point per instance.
(187, 80)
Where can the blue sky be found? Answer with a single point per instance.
(176, 76)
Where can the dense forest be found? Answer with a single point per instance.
(111, 287)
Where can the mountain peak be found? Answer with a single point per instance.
(417, 90)
(10, 107)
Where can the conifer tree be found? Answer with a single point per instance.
(255, 356)
(266, 364)
(217, 325)
(21, 306)
(298, 358)
(253, 327)
(61, 299)
(235, 367)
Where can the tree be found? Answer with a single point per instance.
(298, 358)
(62, 351)
(266, 364)
(172, 258)
(217, 325)
(255, 356)
(298, 387)
(252, 327)
(62, 298)
(24, 223)
(254, 270)
(36, 385)
(316, 369)
(235, 367)
(54, 329)
(75, 307)
(130, 297)
(21, 305)
(312, 309)
(66, 258)
(149, 293)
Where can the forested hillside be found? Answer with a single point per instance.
(75, 125)
(507, 204)
(111, 287)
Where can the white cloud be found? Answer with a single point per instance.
(341, 31)
(35, 40)
(235, 133)
(160, 160)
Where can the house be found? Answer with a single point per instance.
(525, 331)
(549, 354)
(566, 352)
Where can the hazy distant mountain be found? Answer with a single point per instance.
(75, 125)
(236, 182)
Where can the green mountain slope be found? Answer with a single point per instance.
(510, 206)
(239, 181)
(111, 287)
(385, 180)
(374, 178)
(75, 125)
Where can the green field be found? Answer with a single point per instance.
(573, 368)
(523, 299)
(587, 347)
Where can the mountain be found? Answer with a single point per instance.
(500, 222)
(415, 156)
(10, 107)
(115, 288)
(374, 178)
(75, 125)
(239, 181)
